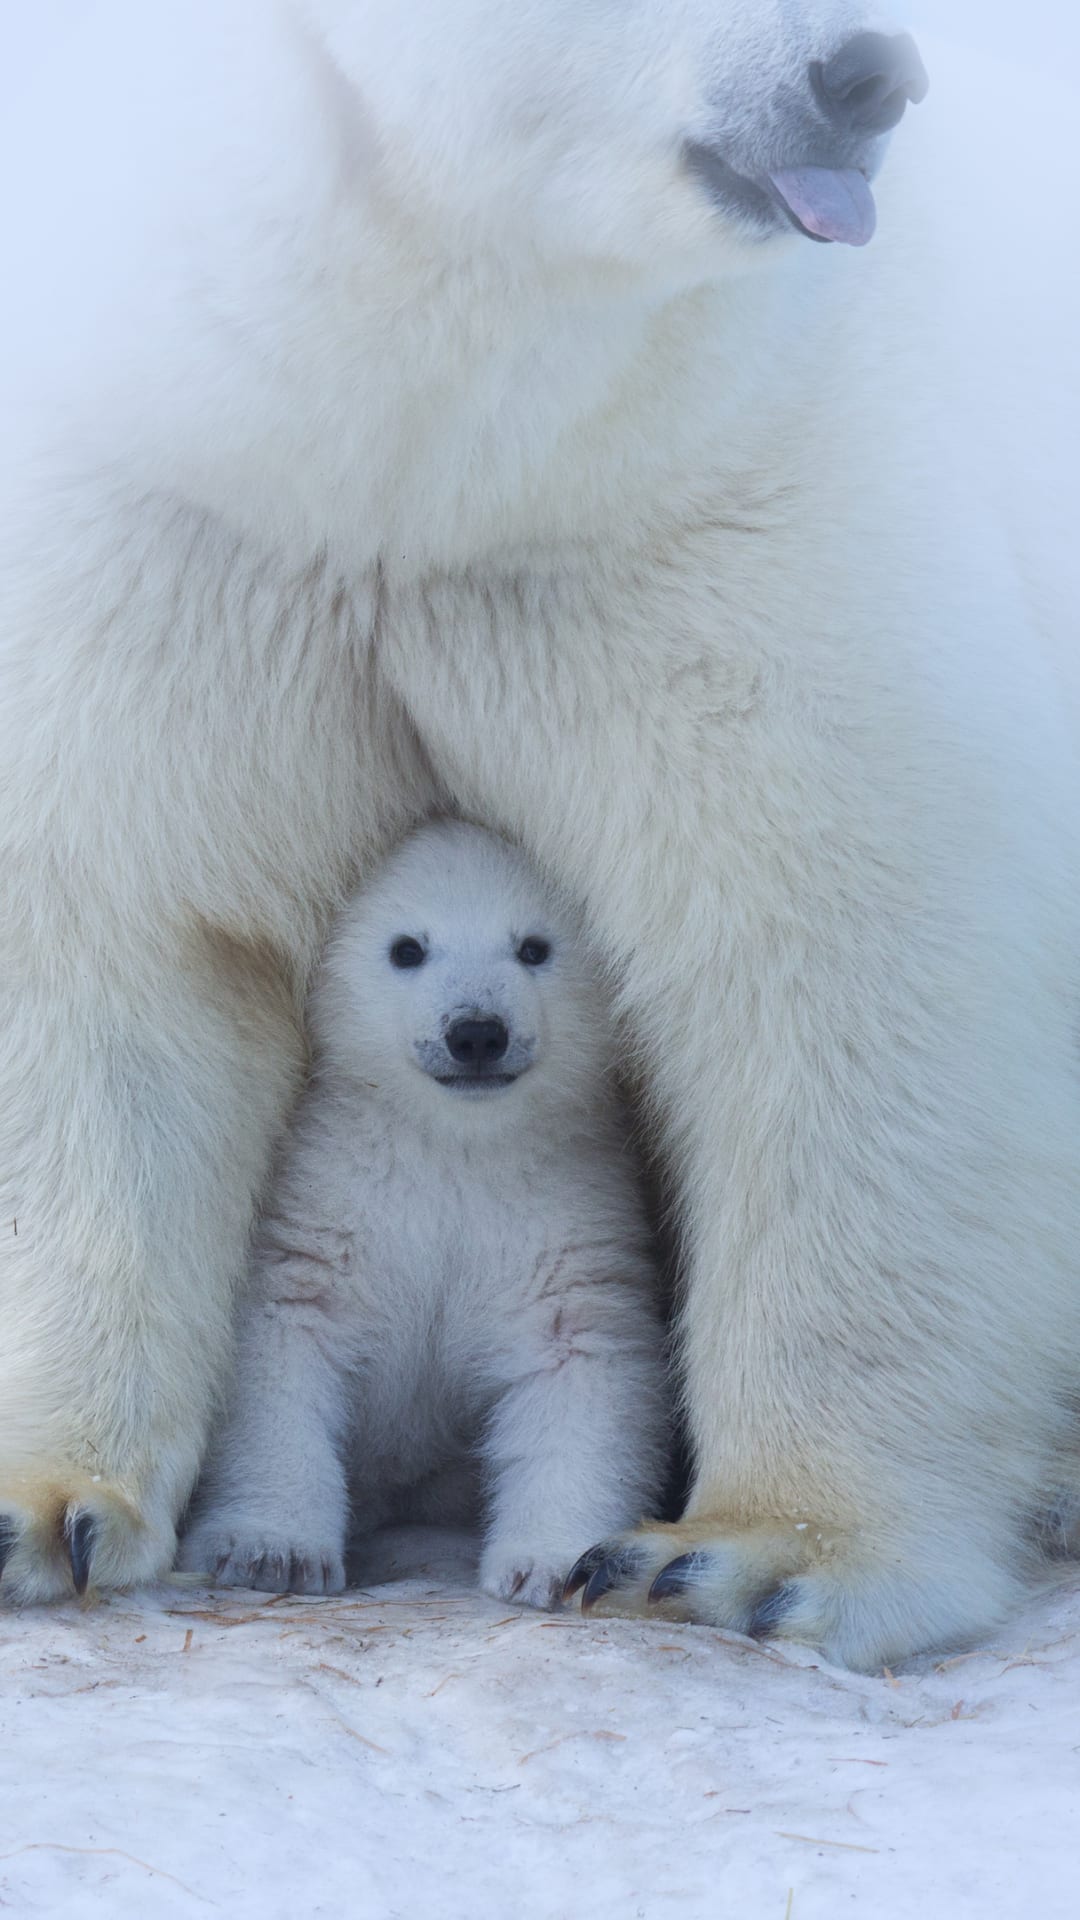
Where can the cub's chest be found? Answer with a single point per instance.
(441, 1247)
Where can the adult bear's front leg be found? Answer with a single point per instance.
(139, 1099)
(869, 1093)
(843, 957)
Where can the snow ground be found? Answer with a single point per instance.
(414, 1748)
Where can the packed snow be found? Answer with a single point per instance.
(412, 1747)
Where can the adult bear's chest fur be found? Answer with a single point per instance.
(586, 700)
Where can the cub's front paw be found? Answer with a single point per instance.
(527, 1577)
(265, 1558)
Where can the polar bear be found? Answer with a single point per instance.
(434, 405)
(455, 1263)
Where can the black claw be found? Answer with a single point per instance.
(81, 1536)
(618, 1569)
(9, 1533)
(676, 1577)
(582, 1570)
(772, 1611)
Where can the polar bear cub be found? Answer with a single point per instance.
(455, 1266)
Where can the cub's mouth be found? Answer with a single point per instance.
(476, 1083)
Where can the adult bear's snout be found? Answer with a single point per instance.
(867, 86)
(827, 143)
(863, 91)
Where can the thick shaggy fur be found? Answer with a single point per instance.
(394, 420)
(446, 1273)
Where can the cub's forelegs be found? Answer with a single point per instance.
(273, 1508)
(580, 1427)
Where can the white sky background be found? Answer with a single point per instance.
(1034, 29)
(987, 20)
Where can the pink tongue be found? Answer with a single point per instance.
(833, 205)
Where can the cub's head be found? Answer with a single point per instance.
(455, 984)
(665, 137)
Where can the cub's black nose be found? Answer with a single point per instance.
(476, 1041)
(866, 87)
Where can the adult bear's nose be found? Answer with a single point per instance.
(476, 1040)
(867, 85)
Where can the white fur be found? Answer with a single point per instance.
(445, 1272)
(393, 422)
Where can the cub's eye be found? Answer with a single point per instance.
(533, 952)
(407, 953)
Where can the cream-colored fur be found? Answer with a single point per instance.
(393, 420)
(452, 1268)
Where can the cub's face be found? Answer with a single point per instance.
(457, 982)
(661, 137)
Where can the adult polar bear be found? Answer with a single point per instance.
(428, 403)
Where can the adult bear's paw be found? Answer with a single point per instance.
(862, 1605)
(265, 1558)
(65, 1532)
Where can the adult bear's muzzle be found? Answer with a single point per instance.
(821, 184)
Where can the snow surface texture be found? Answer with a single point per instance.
(414, 1748)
